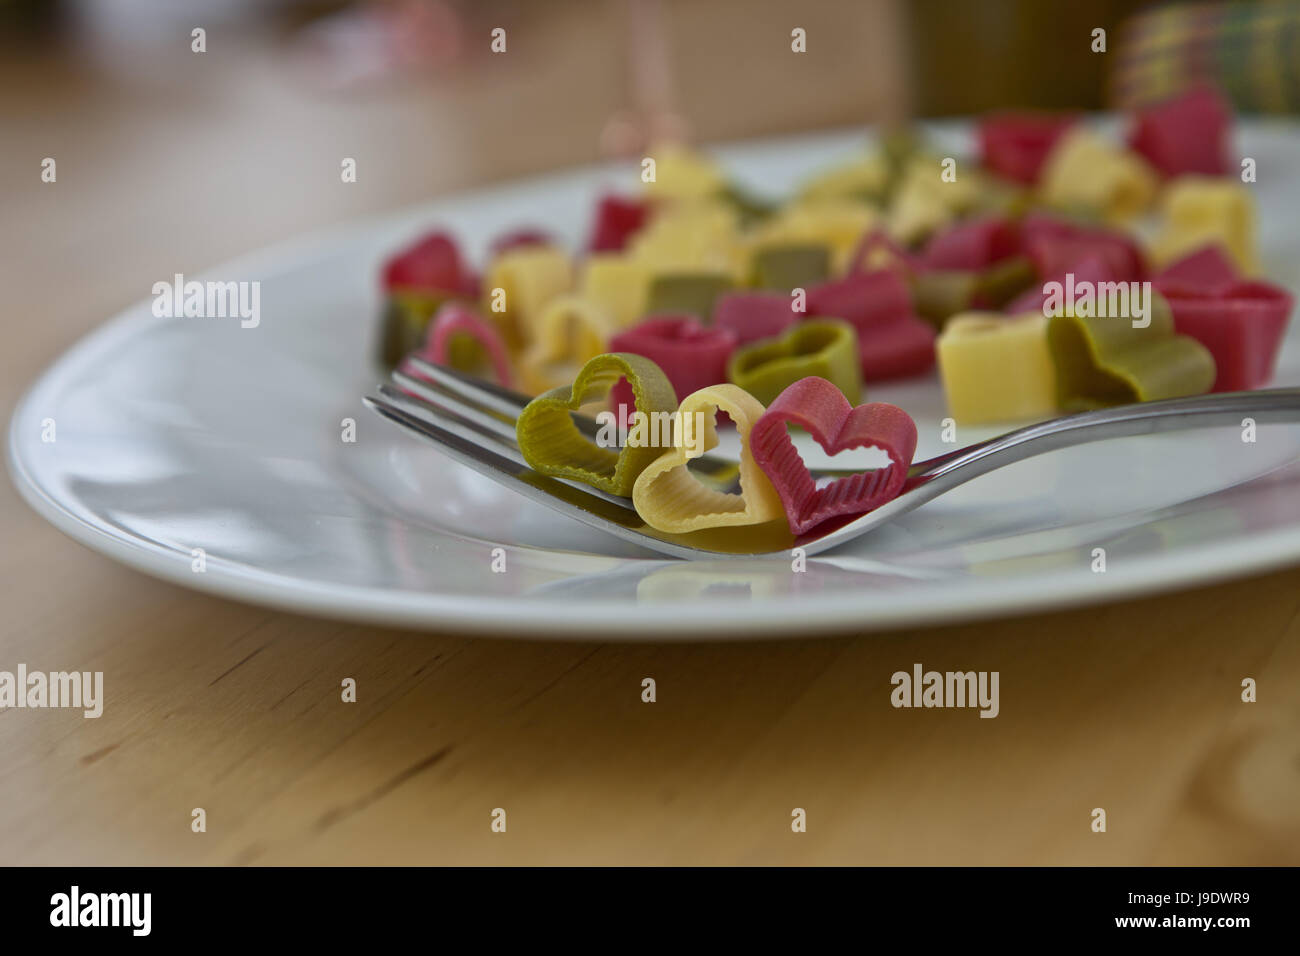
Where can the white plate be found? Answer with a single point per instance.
(185, 433)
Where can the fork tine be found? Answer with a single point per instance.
(610, 515)
(431, 394)
(487, 396)
(432, 410)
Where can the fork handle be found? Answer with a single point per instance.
(1146, 418)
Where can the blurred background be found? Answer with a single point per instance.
(174, 159)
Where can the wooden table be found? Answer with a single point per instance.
(1134, 708)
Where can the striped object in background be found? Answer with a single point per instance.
(1250, 50)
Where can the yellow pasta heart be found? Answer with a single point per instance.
(837, 223)
(924, 200)
(569, 333)
(1206, 210)
(691, 236)
(670, 498)
(617, 283)
(864, 177)
(918, 210)
(519, 284)
(996, 368)
(1085, 171)
(712, 217)
(682, 173)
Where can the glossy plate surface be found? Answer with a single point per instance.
(180, 433)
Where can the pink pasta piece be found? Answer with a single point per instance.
(1241, 322)
(892, 341)
(520, 239)
(1055, 245)
(690, 354)
(754, 315)
(1205, 272)
(431, 266)
(861, 298)
(1091, 268)
(1186, 134)
(817, 406)
(1015, 145)
(976, 244)
(455, 319)
(617, 220)
(471, 285)
(897, 349)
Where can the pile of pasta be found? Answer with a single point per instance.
(695, 295)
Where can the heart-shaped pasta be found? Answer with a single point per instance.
(668, 497)
(553, 445)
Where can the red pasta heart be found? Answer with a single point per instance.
(1187, 134)
(1016, 144)
(692, 355)
(1208, 272)
(975, 244)
(754, 315)
(520, 239)
(892, 341)
(817, 406)
(1091, 268)
(431, 265)
(617, 220)
(1242, 322)
(1055, 245)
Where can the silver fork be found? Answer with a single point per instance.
(473, 421)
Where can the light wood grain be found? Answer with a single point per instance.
(1134, 707)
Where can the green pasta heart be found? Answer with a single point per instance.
(940, 294)
(1106, 361)
(792, 266)
(691, 293)
(825, 348)
(552, 444)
